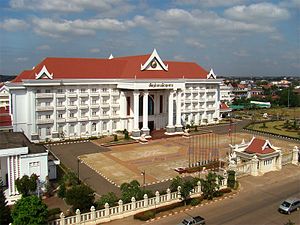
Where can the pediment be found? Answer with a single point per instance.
(154, 62)
(211, 75)
(44, 74)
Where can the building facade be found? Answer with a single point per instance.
(19, 157)
(76, 97)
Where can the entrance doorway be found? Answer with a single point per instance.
(151, 125)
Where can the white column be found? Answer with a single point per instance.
(145, 128)
(170, 127)
(136, 131)
(178, 111)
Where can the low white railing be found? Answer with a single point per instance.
(128, 209)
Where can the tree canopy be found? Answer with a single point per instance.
(27, 185)
(30, 210)
(210, 186)
(5, 217)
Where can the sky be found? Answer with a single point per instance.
(234, 37)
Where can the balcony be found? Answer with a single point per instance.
(71, 119)
(115, 93)
(115, 116)
(115, 105)
(188, 101)
(105, 105)
(44, 108)
(84, 118)
(72, 95)
(83, 95)
(44, 121)
(94, 94)
(44, 95)
(60, 120)
(94, 106)
(104, 116)
(188, 91)
(94, 117)
(210, 99)
(211, 90)
(60, 95)
(84, 106)
(72, 107)
(105, 94)
(60, 107)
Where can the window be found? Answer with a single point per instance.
(104, 125)
(83, 128)
(72, 102)
(115, 112)
(60, 103)
(59, 91)
(83, 114)
(48, 91)
(71, 90)
(94, 90)
(82, 90)
(48, 131)
(94, 113)
(128, 105)
(60, 115)
(60, 129)
(82, 102)
(114, 125)
(48, 116)
(104, 89)
(105, 112)
(38, 91)
(40, 131)
(94, 126)
(161, 104)
(72, 115)
(39, 117)
(71, 129)
(47, 103)
(94, 101)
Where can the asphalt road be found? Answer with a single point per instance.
(256, 204)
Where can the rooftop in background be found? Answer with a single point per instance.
(17, 140)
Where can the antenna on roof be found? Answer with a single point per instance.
(111, 56)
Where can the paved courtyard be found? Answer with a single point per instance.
(158, 158)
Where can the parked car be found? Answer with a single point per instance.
(289, 205)
(197, 220)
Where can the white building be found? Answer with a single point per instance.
(4, 96)
(82, 97)
(226, 94)
(19, 157)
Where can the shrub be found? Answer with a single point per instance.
(62, 190)
(53, 212)
(109, 198)
(231, 178)
(195, 201)
(144, 215)
(225, 190)
(115, 137)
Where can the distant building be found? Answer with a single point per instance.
(241, 91)
(261, 104)
(226, 94)
(18, 157)
(4, 95)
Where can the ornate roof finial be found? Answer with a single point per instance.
(111, 56)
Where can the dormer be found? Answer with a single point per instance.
(44, 74)
(154, 62)
(211, 75)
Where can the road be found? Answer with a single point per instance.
(257, 202)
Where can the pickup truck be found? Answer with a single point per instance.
(197, 220)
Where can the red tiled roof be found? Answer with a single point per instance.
(224, 107)
(256, 146)
(117, 68)
(5, 118)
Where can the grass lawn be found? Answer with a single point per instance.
(275, 127)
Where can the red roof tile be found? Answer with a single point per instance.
(259, 146)
(117, 68)
(224, 107)
(5, 118)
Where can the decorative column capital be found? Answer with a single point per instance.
(136, 92)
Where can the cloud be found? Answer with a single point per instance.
(94, 50)
(43, 47)
(59, 28)
(259, 13)
(13, 25)
(21, 59)
(209, 3)
(194, 43)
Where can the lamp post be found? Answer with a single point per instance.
(144, 178)
(78, 162)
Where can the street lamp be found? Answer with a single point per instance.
(144, 176)
(78, 162)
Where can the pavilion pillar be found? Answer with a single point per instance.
(136, 131)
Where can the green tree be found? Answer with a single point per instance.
(5, 217)
(231, 178)
(27, 185)
(70, 179)
(80, 197)
(186, 187)
(109, 198)
(62, 190)
(210, 186)
(129, 190)
(30, 210)
(177, 181)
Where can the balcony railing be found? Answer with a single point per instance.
(44, 108)
(84, 118)
(44, 121)
(44, 95)
(83, 94)
(72, 95)
(60, 120)
(95, 117)
(94, 94)
(84, 106)
(71, 119)
(61, 107)
(60, 95)
(72, 107)
(105, 93)
(105, 105)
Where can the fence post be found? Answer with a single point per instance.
(168, 194)
(295, 155)
(178, 192)
(120, 202)
(62, 219)
(145, 200)
(106, 208)
(199, 187)
(93, 213)
(157, 197)
(254, 164)
(133, 205)
(78, 216)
